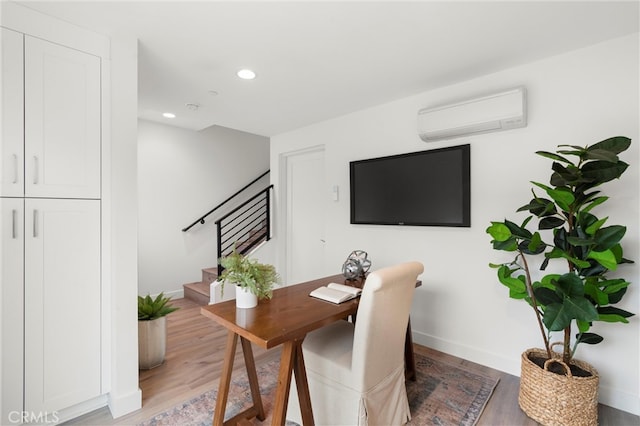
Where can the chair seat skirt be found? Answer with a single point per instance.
(327, 355)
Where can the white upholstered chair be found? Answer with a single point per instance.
(356, 372)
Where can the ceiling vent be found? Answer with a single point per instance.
(500, 111)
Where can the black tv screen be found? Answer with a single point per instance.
(426, 188)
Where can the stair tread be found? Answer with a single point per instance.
(200, 287)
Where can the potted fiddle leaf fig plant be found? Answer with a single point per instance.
(152, 329)
(253, 280)
(562, 228)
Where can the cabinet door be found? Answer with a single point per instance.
(11, 306)
(62, 121)
(12, 114)
(62, 303)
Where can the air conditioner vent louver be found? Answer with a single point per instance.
(500, 111)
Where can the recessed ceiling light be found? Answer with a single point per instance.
(168, 115)
(246, 74)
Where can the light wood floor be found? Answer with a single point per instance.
(195, 348)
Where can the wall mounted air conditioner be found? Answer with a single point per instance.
(500, 111)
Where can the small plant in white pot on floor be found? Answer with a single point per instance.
(253, 280)
(152, 330)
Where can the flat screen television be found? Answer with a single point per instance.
(426, 188)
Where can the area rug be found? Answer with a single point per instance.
(443, 394)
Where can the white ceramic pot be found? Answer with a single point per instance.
(245, 299)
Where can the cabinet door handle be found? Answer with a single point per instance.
(14, 224)
(15, 168)
(35, 223)
(35, 170)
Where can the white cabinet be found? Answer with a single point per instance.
(62, 303)
(54, 151)
(51, 278)
(51, 261)
(12, 114)
(11, 305)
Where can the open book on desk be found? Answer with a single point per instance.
(336, 293)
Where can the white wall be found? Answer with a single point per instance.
(577, 98)
(182, 175)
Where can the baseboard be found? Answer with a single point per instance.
(489, 359)
(81, 409)
(125, 404)
(619, 400)
(606, 395)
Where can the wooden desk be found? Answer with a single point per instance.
(285, 319)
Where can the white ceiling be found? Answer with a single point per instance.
(318, 60)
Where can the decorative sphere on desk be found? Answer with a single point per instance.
(356, 265)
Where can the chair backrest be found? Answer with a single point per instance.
(381, 325)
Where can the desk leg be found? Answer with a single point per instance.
(409, 359)
(253, 378)
(302, 385)
(290, 360)
(225, 379)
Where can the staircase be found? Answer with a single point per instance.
(244, 229)
(199, 291)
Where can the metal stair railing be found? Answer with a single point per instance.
(246, 226)
(204, 216)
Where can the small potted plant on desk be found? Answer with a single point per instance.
(253, 280)
(555, 388)
(152, 330)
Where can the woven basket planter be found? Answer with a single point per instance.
(554, 399)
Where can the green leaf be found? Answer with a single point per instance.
(613, 286)
(589, 338)
(605, 258)
(559, 316)
(549, 280)
(550, 222)
(499, 231)
(608, 237)
(591, 229)
(601, 154)
(556, 317)
(579, 242)
(612, 310)
(612, 318)
(518, 231)
(563, 197)
(535, 243)
(514, 284)
(599, 172)
(599, 296)
(546, 296)
(553, 156)
(594, 203)
(509, 245)
(540, 207)
(569, 285)
(583, 326)
(518, 295)
(616, 144)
